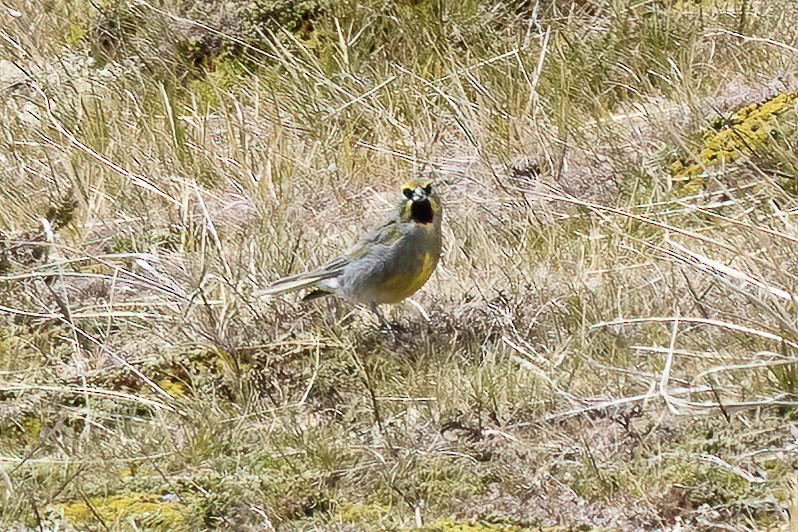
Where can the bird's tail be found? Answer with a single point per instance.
(323, 279)
(295, 283)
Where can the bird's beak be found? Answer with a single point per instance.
(419, 194)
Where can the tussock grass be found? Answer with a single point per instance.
(606, 346)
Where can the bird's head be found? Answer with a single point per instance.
(420, 203)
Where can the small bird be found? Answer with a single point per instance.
(388, 264)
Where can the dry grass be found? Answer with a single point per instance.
(608, 348)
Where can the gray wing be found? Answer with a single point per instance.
(387, 233)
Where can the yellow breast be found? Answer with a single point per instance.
(405, 284)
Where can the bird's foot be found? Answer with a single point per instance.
(385, 325)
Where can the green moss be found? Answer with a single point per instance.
(160, 239)
(5, 264)
(227, 74)
(443, 481)
(145, 510)
(594, 483)
(585, 74)
(22, 430)
(701, 482)
(62, 212)
(296, 16)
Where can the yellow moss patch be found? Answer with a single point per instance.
(144, 509)
(360, 513)
(33, 426)
(725, 141)
(172, 387)
(75, 33)
(692, 5)
(468, 525)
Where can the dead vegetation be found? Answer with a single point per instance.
(609, 347)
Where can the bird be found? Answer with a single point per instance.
(388, 264)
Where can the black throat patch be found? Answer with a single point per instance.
(421, 212)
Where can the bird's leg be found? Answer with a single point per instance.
(384, 322)
(420, 309)
(376, 310)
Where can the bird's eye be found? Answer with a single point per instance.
(428, 189)
(408, 192)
